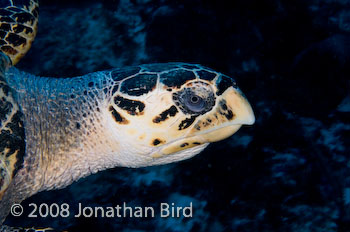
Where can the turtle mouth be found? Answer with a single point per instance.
(201, 139)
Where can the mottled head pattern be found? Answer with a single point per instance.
(172, 111)
(18, 26)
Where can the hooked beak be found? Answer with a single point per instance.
(242, 114)
(241, 107)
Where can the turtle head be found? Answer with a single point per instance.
(182, 113)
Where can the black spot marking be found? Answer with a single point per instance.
(15, 39)
(160, 67)
(5, 108)
(187, 122)
(4, 12)
(205, 75)
(7, 19)
(140, 84)
(8, 50)
(171, 112)
(24, 17)
(77, 125)
(156, 142)
(19, 28)
(229, 115)
(121, 74)
(205, 124)
(196, 143)
(91, 84)
(226, 111)
(184, 145)
(18, 143)
(85, 92)
(117, 117)
(176, 78)
(72, 96)
(5, 27)
(223, 83)
(3, 34)
(224, 106)
(133, 107)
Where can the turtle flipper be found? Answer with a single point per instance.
(12, 143)
(18, 26)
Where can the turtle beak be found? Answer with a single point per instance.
(240, 106)
(233, 111)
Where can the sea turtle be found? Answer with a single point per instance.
(54, 131)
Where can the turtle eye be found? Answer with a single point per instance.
(194, 102)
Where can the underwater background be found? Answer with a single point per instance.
(290, 171)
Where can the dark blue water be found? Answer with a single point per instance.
(288, 172)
